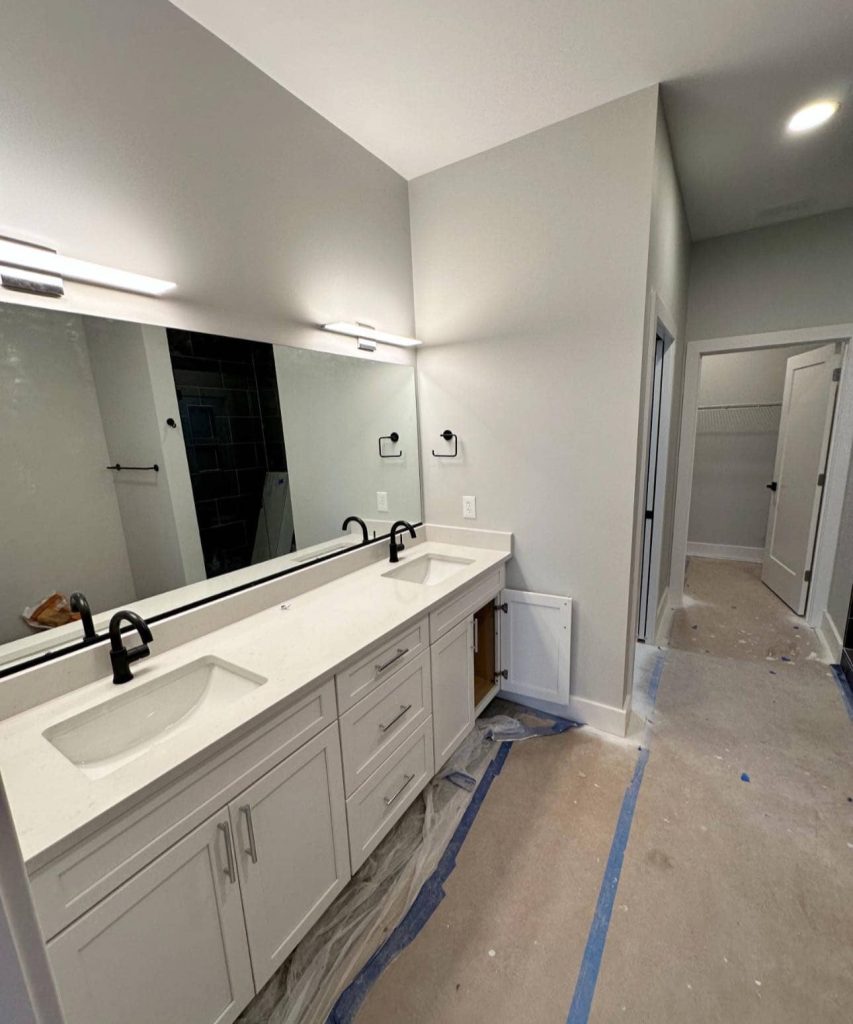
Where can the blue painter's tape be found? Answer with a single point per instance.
(597, 937)
(594, 951)
(426, 902)
(844, 686)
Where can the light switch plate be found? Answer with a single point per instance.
(469, 507)
(381, 501)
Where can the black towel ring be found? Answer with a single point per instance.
(448, 436)
(393, 437)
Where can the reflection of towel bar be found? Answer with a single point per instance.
(118, 467)
(745, 405)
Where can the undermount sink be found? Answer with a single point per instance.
(428, 569)
(118, 731)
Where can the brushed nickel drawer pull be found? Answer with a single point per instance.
(390, 799)
(230, 868)
(387, 664)
(246, 811)
(396, 718)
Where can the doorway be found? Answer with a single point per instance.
(657, 463)
(762, 467)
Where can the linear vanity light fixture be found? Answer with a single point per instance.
(366, 332)
(24, 266)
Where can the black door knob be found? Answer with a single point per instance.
(772, 486)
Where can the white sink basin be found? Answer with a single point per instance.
(118, 731)
(428, 569)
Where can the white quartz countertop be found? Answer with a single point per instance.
(296, 646)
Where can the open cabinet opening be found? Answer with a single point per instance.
(485, 657)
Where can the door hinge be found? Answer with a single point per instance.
(503, 674)
(836, 375)
(502, 608)
(650, 513)
(808, 576)
(821, 479)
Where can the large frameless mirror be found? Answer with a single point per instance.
(155, 467)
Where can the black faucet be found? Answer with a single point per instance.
(397, 545)
(120, 656)
(79, 603)
(361, 523)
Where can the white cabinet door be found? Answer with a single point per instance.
(292, 851)
(167, 946)
(452, 689)
(536, 645)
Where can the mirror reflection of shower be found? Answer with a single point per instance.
(231, 418)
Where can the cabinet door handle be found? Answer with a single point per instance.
(396, 718)
(387, 664)
(246, 811)
(230, 866)
(390, 799)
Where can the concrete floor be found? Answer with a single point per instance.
(729, 612)
(734, 899)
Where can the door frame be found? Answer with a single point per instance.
(840, 450)
(650, 574)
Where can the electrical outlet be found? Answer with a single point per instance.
(469, 507)
(381, 501)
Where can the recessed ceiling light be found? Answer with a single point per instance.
(812, 116)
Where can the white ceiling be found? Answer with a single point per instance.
(423, 83)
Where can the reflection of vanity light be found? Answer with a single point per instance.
(358, 330)
(18, 258)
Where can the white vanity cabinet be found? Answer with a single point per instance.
(193, 935)
(290, 839)
(168, 945)
(463, 657)
(452, 660)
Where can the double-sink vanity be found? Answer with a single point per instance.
(182, 832)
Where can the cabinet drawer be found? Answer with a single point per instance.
(359, 678)
(378, 724)
(381, 801)
(77, 879)
(465, 603)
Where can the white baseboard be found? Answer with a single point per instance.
(600, 716)
(730, 552)
(830, 636)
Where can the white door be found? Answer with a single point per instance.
(808, 405)
(452, 689)
(168, 945)
(536, 645)
(292, 851)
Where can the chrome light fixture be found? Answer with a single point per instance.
(368, 332)
(35, 268)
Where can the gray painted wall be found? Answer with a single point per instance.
(138, 139)
(796, 274)
(842, 574)
(530, 266)
(669, 257)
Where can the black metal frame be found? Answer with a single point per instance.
(79, 645)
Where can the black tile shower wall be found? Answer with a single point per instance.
(230, 413)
